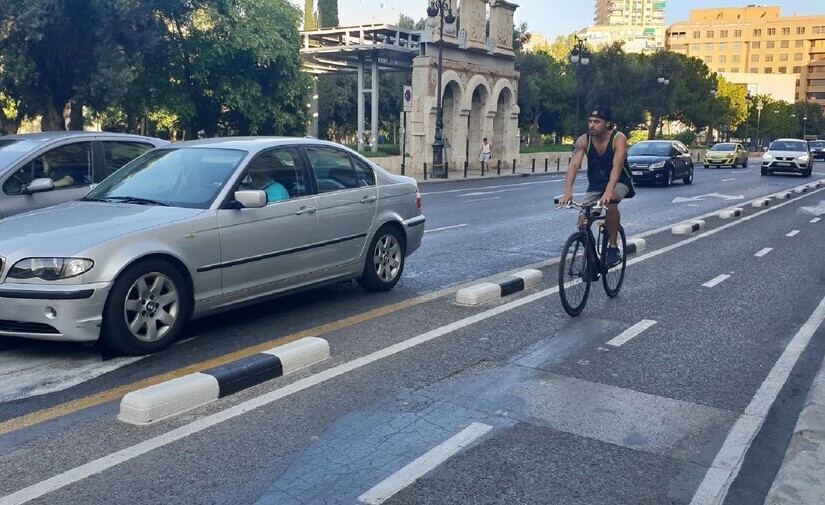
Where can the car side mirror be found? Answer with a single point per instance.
(251, 199)
(38, 186)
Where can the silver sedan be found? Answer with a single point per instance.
(199, 227)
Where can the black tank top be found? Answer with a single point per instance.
(599, 166)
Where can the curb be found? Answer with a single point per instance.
(172, 397)
(487, 291)
(688, 228)
(799, 480)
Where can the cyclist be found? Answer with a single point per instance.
(608, 173)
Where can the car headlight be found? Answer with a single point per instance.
(767, 156)
(658, 164)
(50, 269)
(803, 158)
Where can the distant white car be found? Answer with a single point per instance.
(788, 155)
(194, 228)
(42, 169)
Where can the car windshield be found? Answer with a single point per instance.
(649, 149)
(12, 150)
(789, 145)
(181, 177)
(817, 144)
(723, 147)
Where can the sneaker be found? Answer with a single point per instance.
(613, 257)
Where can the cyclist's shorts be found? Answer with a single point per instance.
(593, 196)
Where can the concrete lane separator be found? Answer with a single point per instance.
(782, 195)
(688, 228)
(635, 245)
(761, 202)
(167, 399)
(488, 291)
(800, 189)
(730, 213)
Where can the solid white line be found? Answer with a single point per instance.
(423, 464)
(728, 461)
(763, 252)
(631, 332)
(716, 280)
(446, 228)
(727, 180)
(816, 219)
(104, 463)
(481, 199)
(792, 233)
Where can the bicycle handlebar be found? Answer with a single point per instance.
(593, 206)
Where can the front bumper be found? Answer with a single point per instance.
(720, 162)
(70, 313)
(646, 174)
(779, 165)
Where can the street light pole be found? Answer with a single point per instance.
(759, 106)
(446, 23)
(579, 56)
(713, 93)
(664, 80)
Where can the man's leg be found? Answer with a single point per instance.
(612, 221)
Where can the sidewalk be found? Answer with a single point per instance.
(801, 479)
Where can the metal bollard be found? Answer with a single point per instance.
(446, 169)
(533, 168)
(482, 168)
(425, 170)
(498, 168)
(558, 161)
(514, 166)
(466, 164)
(546, 162)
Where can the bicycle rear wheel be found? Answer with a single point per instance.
(613, 276)
(574, 275)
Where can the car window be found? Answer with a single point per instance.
(67, 165)
(278, 172)
(333, 169)
(363, 172)
(117, 153)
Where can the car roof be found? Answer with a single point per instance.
(61, 134)
(250, 143)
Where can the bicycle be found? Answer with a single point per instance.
(583, 261)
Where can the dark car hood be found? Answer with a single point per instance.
(645, 160)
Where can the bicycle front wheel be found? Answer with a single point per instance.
(574, 275)
(614, 275)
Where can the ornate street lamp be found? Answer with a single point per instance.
(440, 14)
(664, 80)
(580, 57)
(759, 106)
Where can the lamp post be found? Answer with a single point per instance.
(713, 93)
(759, 106)
(440, 14)
(579, 56)
(804, 126)
(664, 80)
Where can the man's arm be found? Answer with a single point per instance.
(574, 166)
(619, 155)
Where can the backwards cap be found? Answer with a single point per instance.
(601, 112)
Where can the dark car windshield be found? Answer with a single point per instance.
(649, 149)
(723, 147)
(817, 143)
(789, 145)
(182, 177)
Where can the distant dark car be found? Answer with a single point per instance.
(660, 161)
(788, 155)
(731, 154)
(817, 149)
(43, 169)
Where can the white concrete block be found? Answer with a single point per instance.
(168, 398)
(480, 293)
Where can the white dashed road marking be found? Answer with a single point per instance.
(446, 228)
(763, 252)
(715, 281)
(631, 332)
(423, 464)
(816, 219)
(792, 233)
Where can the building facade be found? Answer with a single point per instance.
(630, 12)
(756, 40)
(638, 24)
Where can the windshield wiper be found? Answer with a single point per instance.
(135, 199)
(93, 199)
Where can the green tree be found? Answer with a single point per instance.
(327, 13)
(310, 21)
(546, 88)
(231, 67)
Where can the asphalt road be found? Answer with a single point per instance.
(508, 402)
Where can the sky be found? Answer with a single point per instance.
(551, 18)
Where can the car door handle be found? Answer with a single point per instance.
(369, 199)
(305, 210)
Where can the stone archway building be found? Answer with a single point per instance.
(479, 88)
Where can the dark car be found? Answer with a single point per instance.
(43, 169)
(660, 161)
(817, 148)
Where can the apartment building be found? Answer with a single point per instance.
(630, 12)
(756, 40)
(638, 24)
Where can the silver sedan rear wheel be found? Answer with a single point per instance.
(385, 260)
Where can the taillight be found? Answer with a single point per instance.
(417, 198)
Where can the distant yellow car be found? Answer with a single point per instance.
(731, 154)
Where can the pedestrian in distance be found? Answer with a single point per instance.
(608, 173)
(485, 153)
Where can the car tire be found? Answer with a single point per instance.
(807, 172)
(745, 163)
(668, 177)
(147, 308)
(384, 263)
(689, 178)
(764, 171)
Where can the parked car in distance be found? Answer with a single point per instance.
(42, 169)
(660, 161)
(817, 149)
(788, 155)
(198, 227)
(731, 154)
